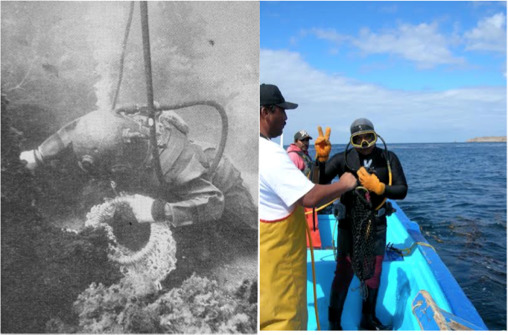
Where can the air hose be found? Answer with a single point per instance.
(151, 109)
(321, 207)
(222, 113)
(149, 91)
(387, 164)
(122, 58)
(224, 124)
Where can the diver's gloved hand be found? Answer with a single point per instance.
(141, 207)
(370, 181)
(30, 159)
(322, 144)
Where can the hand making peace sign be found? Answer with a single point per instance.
(323, 145)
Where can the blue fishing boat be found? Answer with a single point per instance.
(417, 290)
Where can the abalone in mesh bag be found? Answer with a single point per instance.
(146, 251)
(364, 239)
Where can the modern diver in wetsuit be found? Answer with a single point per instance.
(371, 165)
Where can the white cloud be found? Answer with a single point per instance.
(488, 35)
(421, 43)
(326, 34)
(330, 35)
(399, 116)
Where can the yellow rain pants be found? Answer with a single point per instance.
(283, 273)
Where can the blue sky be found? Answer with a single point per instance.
(429, 71)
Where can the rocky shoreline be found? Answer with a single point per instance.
(488, 139)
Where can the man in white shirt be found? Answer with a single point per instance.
(283, 193)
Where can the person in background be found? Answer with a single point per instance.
(298, 152)
(283, 193)
(374, 173)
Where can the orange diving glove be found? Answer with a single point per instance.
(370, 181)
(322, 144)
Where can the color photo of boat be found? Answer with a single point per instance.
(417, 290)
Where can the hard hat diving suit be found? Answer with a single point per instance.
(116, 147)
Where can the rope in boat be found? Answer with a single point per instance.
(322, 207)
(314, 177)
(409, 250)
(313, 275)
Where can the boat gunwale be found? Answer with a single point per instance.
(458, 301)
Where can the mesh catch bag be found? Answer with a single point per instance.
(149, 263)
(364, 235)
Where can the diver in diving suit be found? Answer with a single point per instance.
(370, 162)
(116, 147)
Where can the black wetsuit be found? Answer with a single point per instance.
(375, 163)
(336, 166)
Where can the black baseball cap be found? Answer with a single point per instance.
(270, 95)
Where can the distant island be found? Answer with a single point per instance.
(488, 139)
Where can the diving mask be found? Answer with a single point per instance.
(363, 139)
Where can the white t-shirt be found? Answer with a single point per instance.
(281, 184)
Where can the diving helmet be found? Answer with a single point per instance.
(107, 144)
(363, 135)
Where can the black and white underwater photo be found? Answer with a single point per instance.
(129, 167)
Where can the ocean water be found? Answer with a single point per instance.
(457, 194)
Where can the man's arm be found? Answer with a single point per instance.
(190, 197)
(322, 194)
(53, 147)
(197, 199)
(202, 202)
